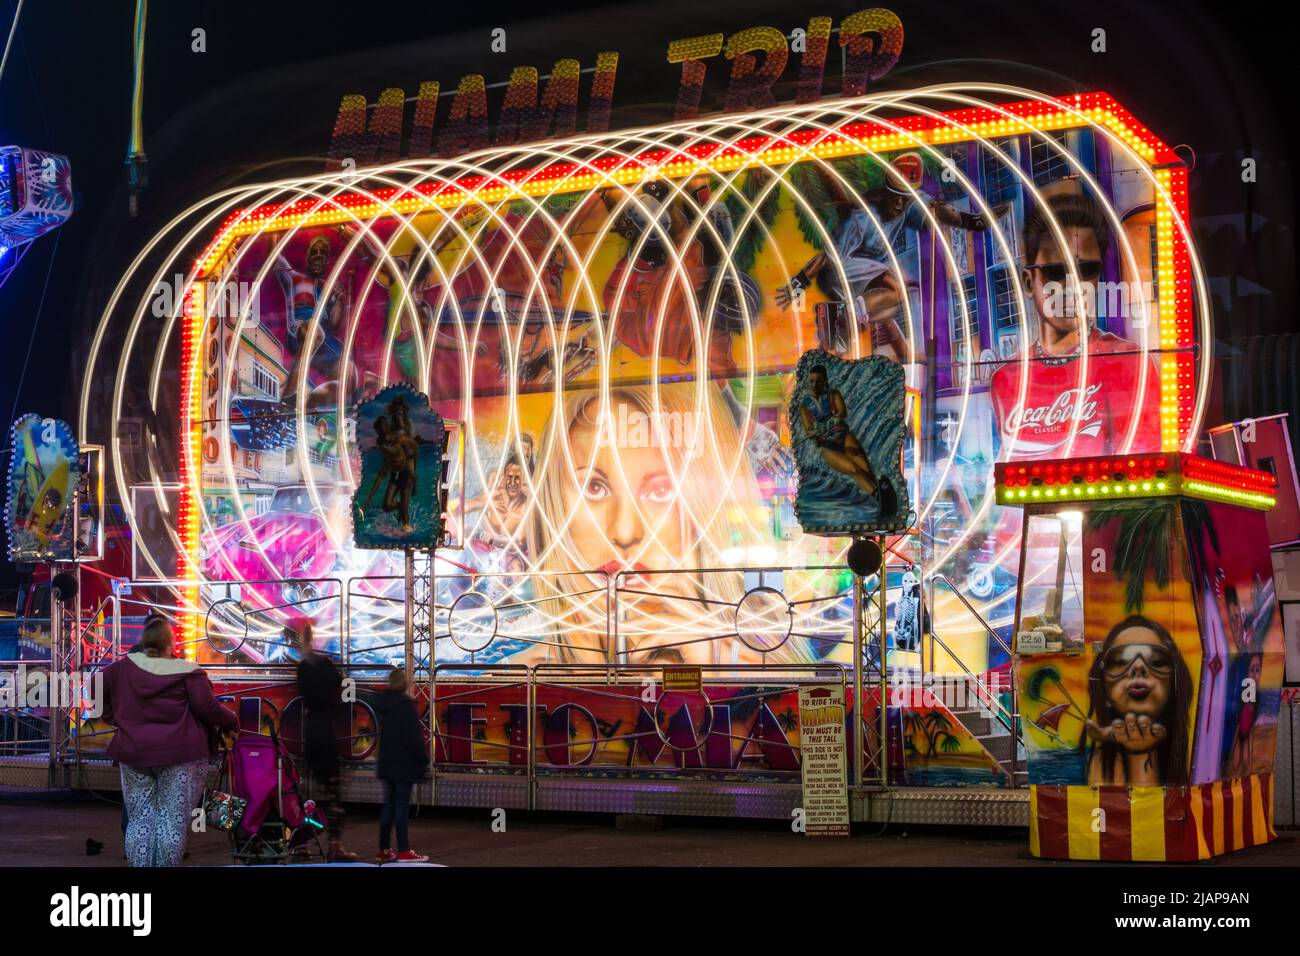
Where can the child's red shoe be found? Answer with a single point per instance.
(385, 856)
(410, 856)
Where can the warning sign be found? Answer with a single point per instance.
(825, 774)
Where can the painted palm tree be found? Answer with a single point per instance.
(940, 734)
(825, 194)
(788, 721)
(914, 722)
(753, 200)
(935, 727)
(1038, 688)
(747, 702)
(1199, 530)
(1143, 549)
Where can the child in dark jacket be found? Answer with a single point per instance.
(403, 761)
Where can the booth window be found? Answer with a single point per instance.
(1000, 183)
(1005, 307)
(265, 382)
(1046, 159)
(1051, 590)
(967, 290)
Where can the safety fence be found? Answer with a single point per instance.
(580, 650)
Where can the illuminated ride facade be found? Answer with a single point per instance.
(610, 324)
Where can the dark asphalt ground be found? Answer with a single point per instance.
(39, 829)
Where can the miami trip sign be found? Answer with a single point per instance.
(760, 57)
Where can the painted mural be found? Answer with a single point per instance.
(847, 431)
(623, 359)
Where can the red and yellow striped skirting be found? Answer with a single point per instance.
(1151, 823)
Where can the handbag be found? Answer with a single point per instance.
(222, 810)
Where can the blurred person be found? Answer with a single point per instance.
(403, 762)
(321, 686)
(164, 714)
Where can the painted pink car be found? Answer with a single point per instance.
(295, 547)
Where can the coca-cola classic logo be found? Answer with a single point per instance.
(1073, 403)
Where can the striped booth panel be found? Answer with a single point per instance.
(1151, 823)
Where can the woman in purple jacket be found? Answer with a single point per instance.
(162, 710)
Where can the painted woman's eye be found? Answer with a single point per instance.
(596, 490)
(660, 491)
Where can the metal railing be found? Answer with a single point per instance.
(1009, 718)
(550, 689)
(739, 615)
(770, 624)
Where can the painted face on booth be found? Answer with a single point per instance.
(318, 256)
(1060, 304)
(629, 518)
(1254, 669)
(1138, 671)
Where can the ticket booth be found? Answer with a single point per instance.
(1148, 655)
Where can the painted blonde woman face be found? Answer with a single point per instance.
(637, 491)
(626, 516)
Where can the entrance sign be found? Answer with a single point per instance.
(823, 748)
(683, 679)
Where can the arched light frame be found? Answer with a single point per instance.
(723, 146)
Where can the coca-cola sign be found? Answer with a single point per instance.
(1073, 404)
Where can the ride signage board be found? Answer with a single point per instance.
(683, 679)
(755, 60)
(847, 429)
(401, 440)
(44, 466)
(822, 749)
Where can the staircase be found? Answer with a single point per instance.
(995, 726)
(997, 740)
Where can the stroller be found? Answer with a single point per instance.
(276, 821)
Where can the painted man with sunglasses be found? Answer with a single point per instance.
(1113, 409)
